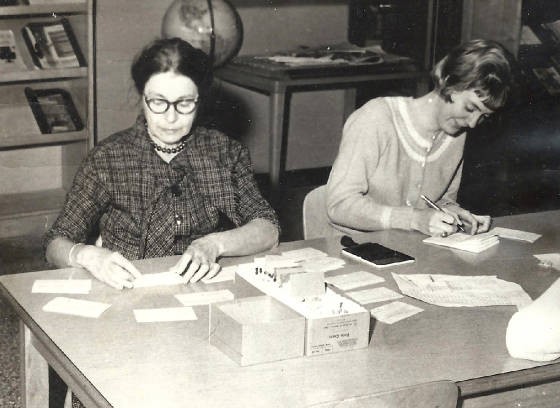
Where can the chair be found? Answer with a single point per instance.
(315, 220)
(437, 394)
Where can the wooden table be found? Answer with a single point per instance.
(279, 83)
(114, 361)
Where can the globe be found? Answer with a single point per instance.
(195, 20)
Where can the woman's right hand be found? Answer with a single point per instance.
(107, 266)
(434, 223)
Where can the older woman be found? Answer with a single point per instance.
(395, 149)
(164, 186)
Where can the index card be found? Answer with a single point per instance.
(354, 280)
(71, 286)
(551, 260)
(373, 295)
(302, 254)
(205, 298)
(394, 311)
(515, 234)
(158, 279)
(164, 314)
(225, 274)
(472, 243)
(76, 307)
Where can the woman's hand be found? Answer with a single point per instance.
(478, 223)
(433, 222)
(199, 260)
(107, 266)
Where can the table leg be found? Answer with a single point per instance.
(34, 373)
(277, 109)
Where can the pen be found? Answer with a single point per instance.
(437, 207)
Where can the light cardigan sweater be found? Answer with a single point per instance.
(384, 165)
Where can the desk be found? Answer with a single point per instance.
(114, 361)
(280, 83)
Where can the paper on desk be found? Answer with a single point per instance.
(374, 295)
(73, 286)
(462, 291)
(226, 274)
(515, 234)
(394, 311)
(322, 264)
(158, 279)
(354, 280)
(76, 307)
(465, 242)
(269, 262)
(205, 298)
(165, 314)
(302, 254)
(551, 260)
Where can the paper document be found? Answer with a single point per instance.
(466, 242)
(166, 314)
(226, 274)
(322, 264)
(374, 295)
(354, 280)
(70, 286)
(158, 279)
(302, 254)
(394, 311)
(462, 291)
(76, 307)
(515, 234)
(549, 260)
(205, 298)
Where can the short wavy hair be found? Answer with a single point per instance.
(484, 66)
(172, 55)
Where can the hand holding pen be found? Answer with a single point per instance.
(438, 208)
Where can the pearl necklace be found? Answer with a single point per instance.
(168, 150)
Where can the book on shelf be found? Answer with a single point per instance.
(10, 57)
(54, 110)
(9, 3)
(553, 30)
(549, 78)
(53, 44)
(33, 2)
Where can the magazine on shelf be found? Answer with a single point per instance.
(53, 44)
(54, 110)
(10, 57)
(549, 78)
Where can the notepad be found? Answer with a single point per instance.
(471, 243)
(76, 307)
(374, 295)
(515, 234)
(353, 280)
(394, 311)
(164, 314)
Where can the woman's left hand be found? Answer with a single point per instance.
(199, 260)
(478, 223)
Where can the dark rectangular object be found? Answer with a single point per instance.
(54, 110)
(376, 255)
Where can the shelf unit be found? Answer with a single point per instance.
(37, 169)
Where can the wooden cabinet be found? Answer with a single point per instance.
(36, 169)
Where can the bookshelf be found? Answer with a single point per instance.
(530, 29)
(36, 169)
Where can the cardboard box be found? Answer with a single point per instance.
(256, 330)
(326, 330)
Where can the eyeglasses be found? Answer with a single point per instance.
(182, 106)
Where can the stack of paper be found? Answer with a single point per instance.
(515, 234)
(465, 242)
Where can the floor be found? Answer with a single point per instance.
(511, 167)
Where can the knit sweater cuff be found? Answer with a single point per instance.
(401, 217)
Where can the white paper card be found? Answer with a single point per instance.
(158, 279)
(73, 286)
(394, 311)
(373, 295)
(76, 307)
(551, 260)
(354, 280)
(165, 314)
(205, 298)
(302, 254)
(515, 234)
(225, 274)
